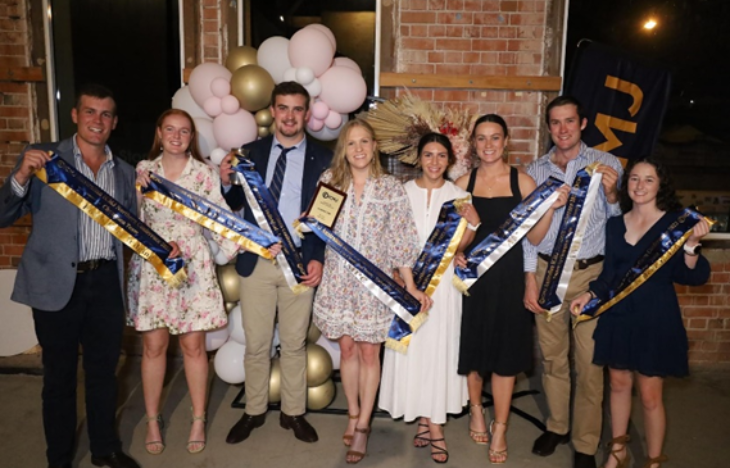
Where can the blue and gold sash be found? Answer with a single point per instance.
(112, 216)
(209, 215)
(431, 264)
(656, 256)
(381, 285)
(570, 238)
(519, 222)
(266, 212)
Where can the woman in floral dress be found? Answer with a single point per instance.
(376, 220)
(158, 310)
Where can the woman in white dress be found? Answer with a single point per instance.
(424, 383)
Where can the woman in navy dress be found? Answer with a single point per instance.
(642, 337)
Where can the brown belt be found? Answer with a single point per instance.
(579, 264)
(91, 265)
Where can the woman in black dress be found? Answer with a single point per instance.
(642, 337)
(496, 329)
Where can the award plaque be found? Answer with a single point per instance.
(326, 204)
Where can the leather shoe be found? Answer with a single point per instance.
(546, 443)
(302, 429)
(115, 460)
(243, 428)
(581, 460)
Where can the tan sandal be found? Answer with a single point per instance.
(660, 459)
(155, 447)
(477, 436)
(496, 456)
(347, 438)
(196, 446)
(358, 456)
(622, 441)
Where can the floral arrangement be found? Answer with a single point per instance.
(400, 123)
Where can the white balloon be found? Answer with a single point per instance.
(347, 62)
(184, 101)
(275, 340)
(206, 139)
(327, 32)
(235, 325)
(304, 75)
(221, 258)
(329, 134)
(217, 155)
(273, 56)
(314, 88)
(214, 247)
(228, 362)
(333, 348)
(214, 339)
(290, 74)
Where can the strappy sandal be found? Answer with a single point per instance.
(418, 439)
(496, 456)
(438, 451)
(660, 459)
(358, 456)
(622, 441)
(196, 446)
(347, 438)
(477, 436)
(155, 447)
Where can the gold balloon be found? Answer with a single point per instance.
(320, 397)
(240, 57)
(263, 132)
(230, 306)
(252, 85)
(272, 129)
(313, 333)
(275, 381)
(228, 281)
(319, 365)
(264, 118)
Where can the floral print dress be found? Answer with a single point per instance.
(381, 227)
(197, 305)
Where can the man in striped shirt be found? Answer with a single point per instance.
(71, 275)
(565, 120)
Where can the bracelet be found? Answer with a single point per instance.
(592, 294)
(472, 227)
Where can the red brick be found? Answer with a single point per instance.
(531, 32)
(453, 69)
(414, 56)
(453, 44)
(471, 57)
(6, 135)
(450, 95)
(455, 5)
(722, 335)
(456, 18)
(488, 44)
(425, 94)
(719, 277)
(509, 32)
(715, 324)
(693, 311)
(417, 68)
(488, 69)
(526, 18)
(7, 87)
(426, 17)
(697, 324)
(418, 30)
(524, 45)
(436, 4)
(487, 18)
(417, 43)
(490, 5)
(415, 4)
(472, 5)
(526, 6)
(435, 57)
(489, 31)
(437, 30)
(509, 5)
(454, 57)
(210, 14)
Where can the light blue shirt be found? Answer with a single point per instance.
(290, 200)
(594, 239)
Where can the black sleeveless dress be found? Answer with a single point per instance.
(496, 329)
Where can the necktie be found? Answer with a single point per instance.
(277, 182)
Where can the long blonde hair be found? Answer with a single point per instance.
(340, 167)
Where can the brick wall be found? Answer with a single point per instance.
(479, 37)
(15, 115)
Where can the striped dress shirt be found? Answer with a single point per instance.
(595, 235)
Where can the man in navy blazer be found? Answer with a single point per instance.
(71, 275)
(264, 290)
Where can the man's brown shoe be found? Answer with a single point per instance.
(244, 427)
(302, 429)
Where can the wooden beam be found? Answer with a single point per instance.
(186, 75)
(520, 83)
(22, 74)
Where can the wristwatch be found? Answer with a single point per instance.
(693, 251)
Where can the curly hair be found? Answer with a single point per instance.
(193, 150)
(340, 167)
(666, 198)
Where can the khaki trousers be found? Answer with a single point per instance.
(554, 339)
(262, 294)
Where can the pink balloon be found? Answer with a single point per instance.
(220, 87)
(230, 104)
(326, 31)
(333, 120)
(212, 106)
(347, 63)
(320, 110)
(315, 124)
(234, 130)
(343, 89)
(311, 48)
(202, 77)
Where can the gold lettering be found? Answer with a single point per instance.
(605, 124)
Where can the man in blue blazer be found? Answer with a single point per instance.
(71, 275)
(264, 290)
